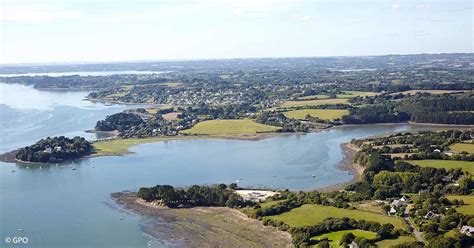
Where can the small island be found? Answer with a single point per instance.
(54, 150)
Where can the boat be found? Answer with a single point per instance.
(73, 168)
(13, 171)
(313, 175)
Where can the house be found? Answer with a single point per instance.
(430, 215)
(58, 148)
(392, 211)
(396, 203)
(437, 150)
(447, 179)
(468, 230)
(48, 150)
(404, 199)
(353, 245)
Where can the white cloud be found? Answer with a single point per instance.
(306, 18)
(35, 13)
(423, 6)
(396, 6)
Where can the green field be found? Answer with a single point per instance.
(468, 200)
(308, 215)
(447, 164)
(270, 203)
(226, 127)
(121, 146)
(325, 114)
(313, 102)
(314, 97)
(462, 147)
(334, 237)
(350, 94)
(393, 242)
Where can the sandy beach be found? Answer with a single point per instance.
(203, 226)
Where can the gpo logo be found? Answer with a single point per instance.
(16, 240)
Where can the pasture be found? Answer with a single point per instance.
(462, 147)
(324, 114)
(468, 208)
(335, 237)
(308, 215)
(288, 104)
(226, 127)
(447, 164)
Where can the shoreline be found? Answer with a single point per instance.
(346, 164)
(202, 226)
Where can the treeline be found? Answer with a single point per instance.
(421, 107)
(56, 149)
(302, 235)
(385, 179)
(380, 113)
(119, 121)
(280, 120)
(219, 195)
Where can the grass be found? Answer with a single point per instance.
(171, 84)
(451, 233)
(350, 94)
(434, 92)
(314, 97)
(121, 146)
(270, 203)
(325, 114)
(447, 164)
(393, 242)
(468, 208)
(462, 147)
(308, 215)
(171, 116)
(225, 127)
(313, 102)
(335, 237)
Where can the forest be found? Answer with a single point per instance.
(56, 149)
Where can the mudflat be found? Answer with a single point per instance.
(203, 226)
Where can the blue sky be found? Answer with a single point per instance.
(66, 31)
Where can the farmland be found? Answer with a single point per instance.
(350, 94)
(226, 127)
(393, 242)
(462, 147)
(335, 237)
(313, 102)
(308, 215)
(325, 114)
(468, 208)
(447, 164)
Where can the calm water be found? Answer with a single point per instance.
(67, 208)
(80, 73)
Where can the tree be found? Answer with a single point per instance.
(346, 239)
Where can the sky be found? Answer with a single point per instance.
(101, 30)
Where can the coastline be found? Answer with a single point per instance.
(202, 226)
(347, 164)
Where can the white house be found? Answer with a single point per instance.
(468, 230)
(392, 211)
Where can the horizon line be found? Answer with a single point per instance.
(210, 59)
